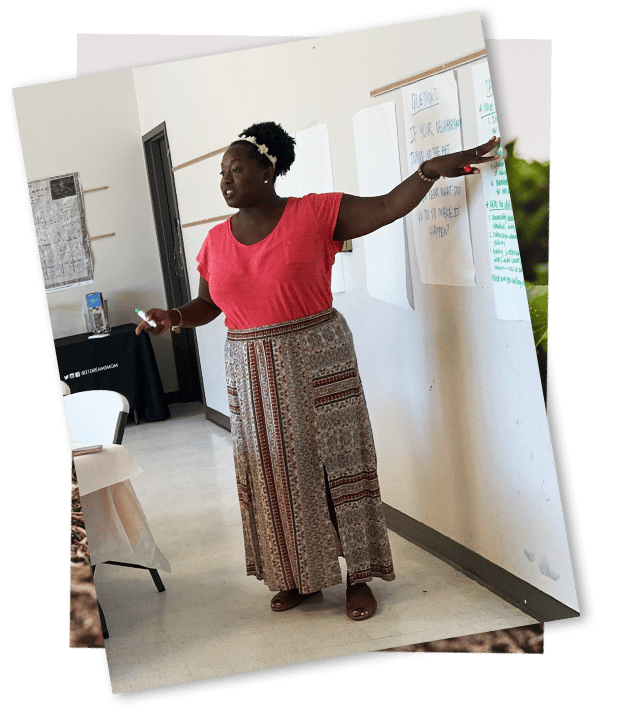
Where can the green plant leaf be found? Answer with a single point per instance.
(529, 192)
(538, 299)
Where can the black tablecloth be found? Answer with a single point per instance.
(122, 362)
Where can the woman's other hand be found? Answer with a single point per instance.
(163, 318)
(453, 165)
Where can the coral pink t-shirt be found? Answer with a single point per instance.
(285, 276)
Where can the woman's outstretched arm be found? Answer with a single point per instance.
(359, 216)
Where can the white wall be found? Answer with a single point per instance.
(90, 125)
(206, 102)
(454, 394)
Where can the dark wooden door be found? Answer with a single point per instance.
(173, 263)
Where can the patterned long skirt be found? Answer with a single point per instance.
(303, 449)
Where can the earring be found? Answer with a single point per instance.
(265, 180)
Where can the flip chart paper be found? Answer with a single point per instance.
(440, 222)
(312, 170)
(507, 276)
(379, 171)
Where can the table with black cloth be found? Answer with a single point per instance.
(122, 362)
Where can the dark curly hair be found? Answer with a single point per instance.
(280, 145)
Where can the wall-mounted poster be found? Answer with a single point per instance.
(64, 249)
(379, 171)
(506, 272)
(440, 222)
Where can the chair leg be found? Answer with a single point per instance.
(101, 615)
(103, 623)
(155, 573)
(157, 579)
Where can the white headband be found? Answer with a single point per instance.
(262, 148)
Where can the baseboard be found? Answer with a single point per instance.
(217, 418)
(509, 587)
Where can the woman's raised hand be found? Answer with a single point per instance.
(163, 318)
(452, 165)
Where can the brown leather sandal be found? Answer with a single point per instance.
(287, 599)
(360, 603)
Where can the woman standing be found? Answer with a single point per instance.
(303, 448)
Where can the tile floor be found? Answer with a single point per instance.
(212, 619)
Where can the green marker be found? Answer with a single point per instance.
(142, 314)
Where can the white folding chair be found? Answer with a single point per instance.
(99, 416)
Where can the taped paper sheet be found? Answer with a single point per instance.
(60, 225)
(507, 276)
(440, 222)
(379, 171)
